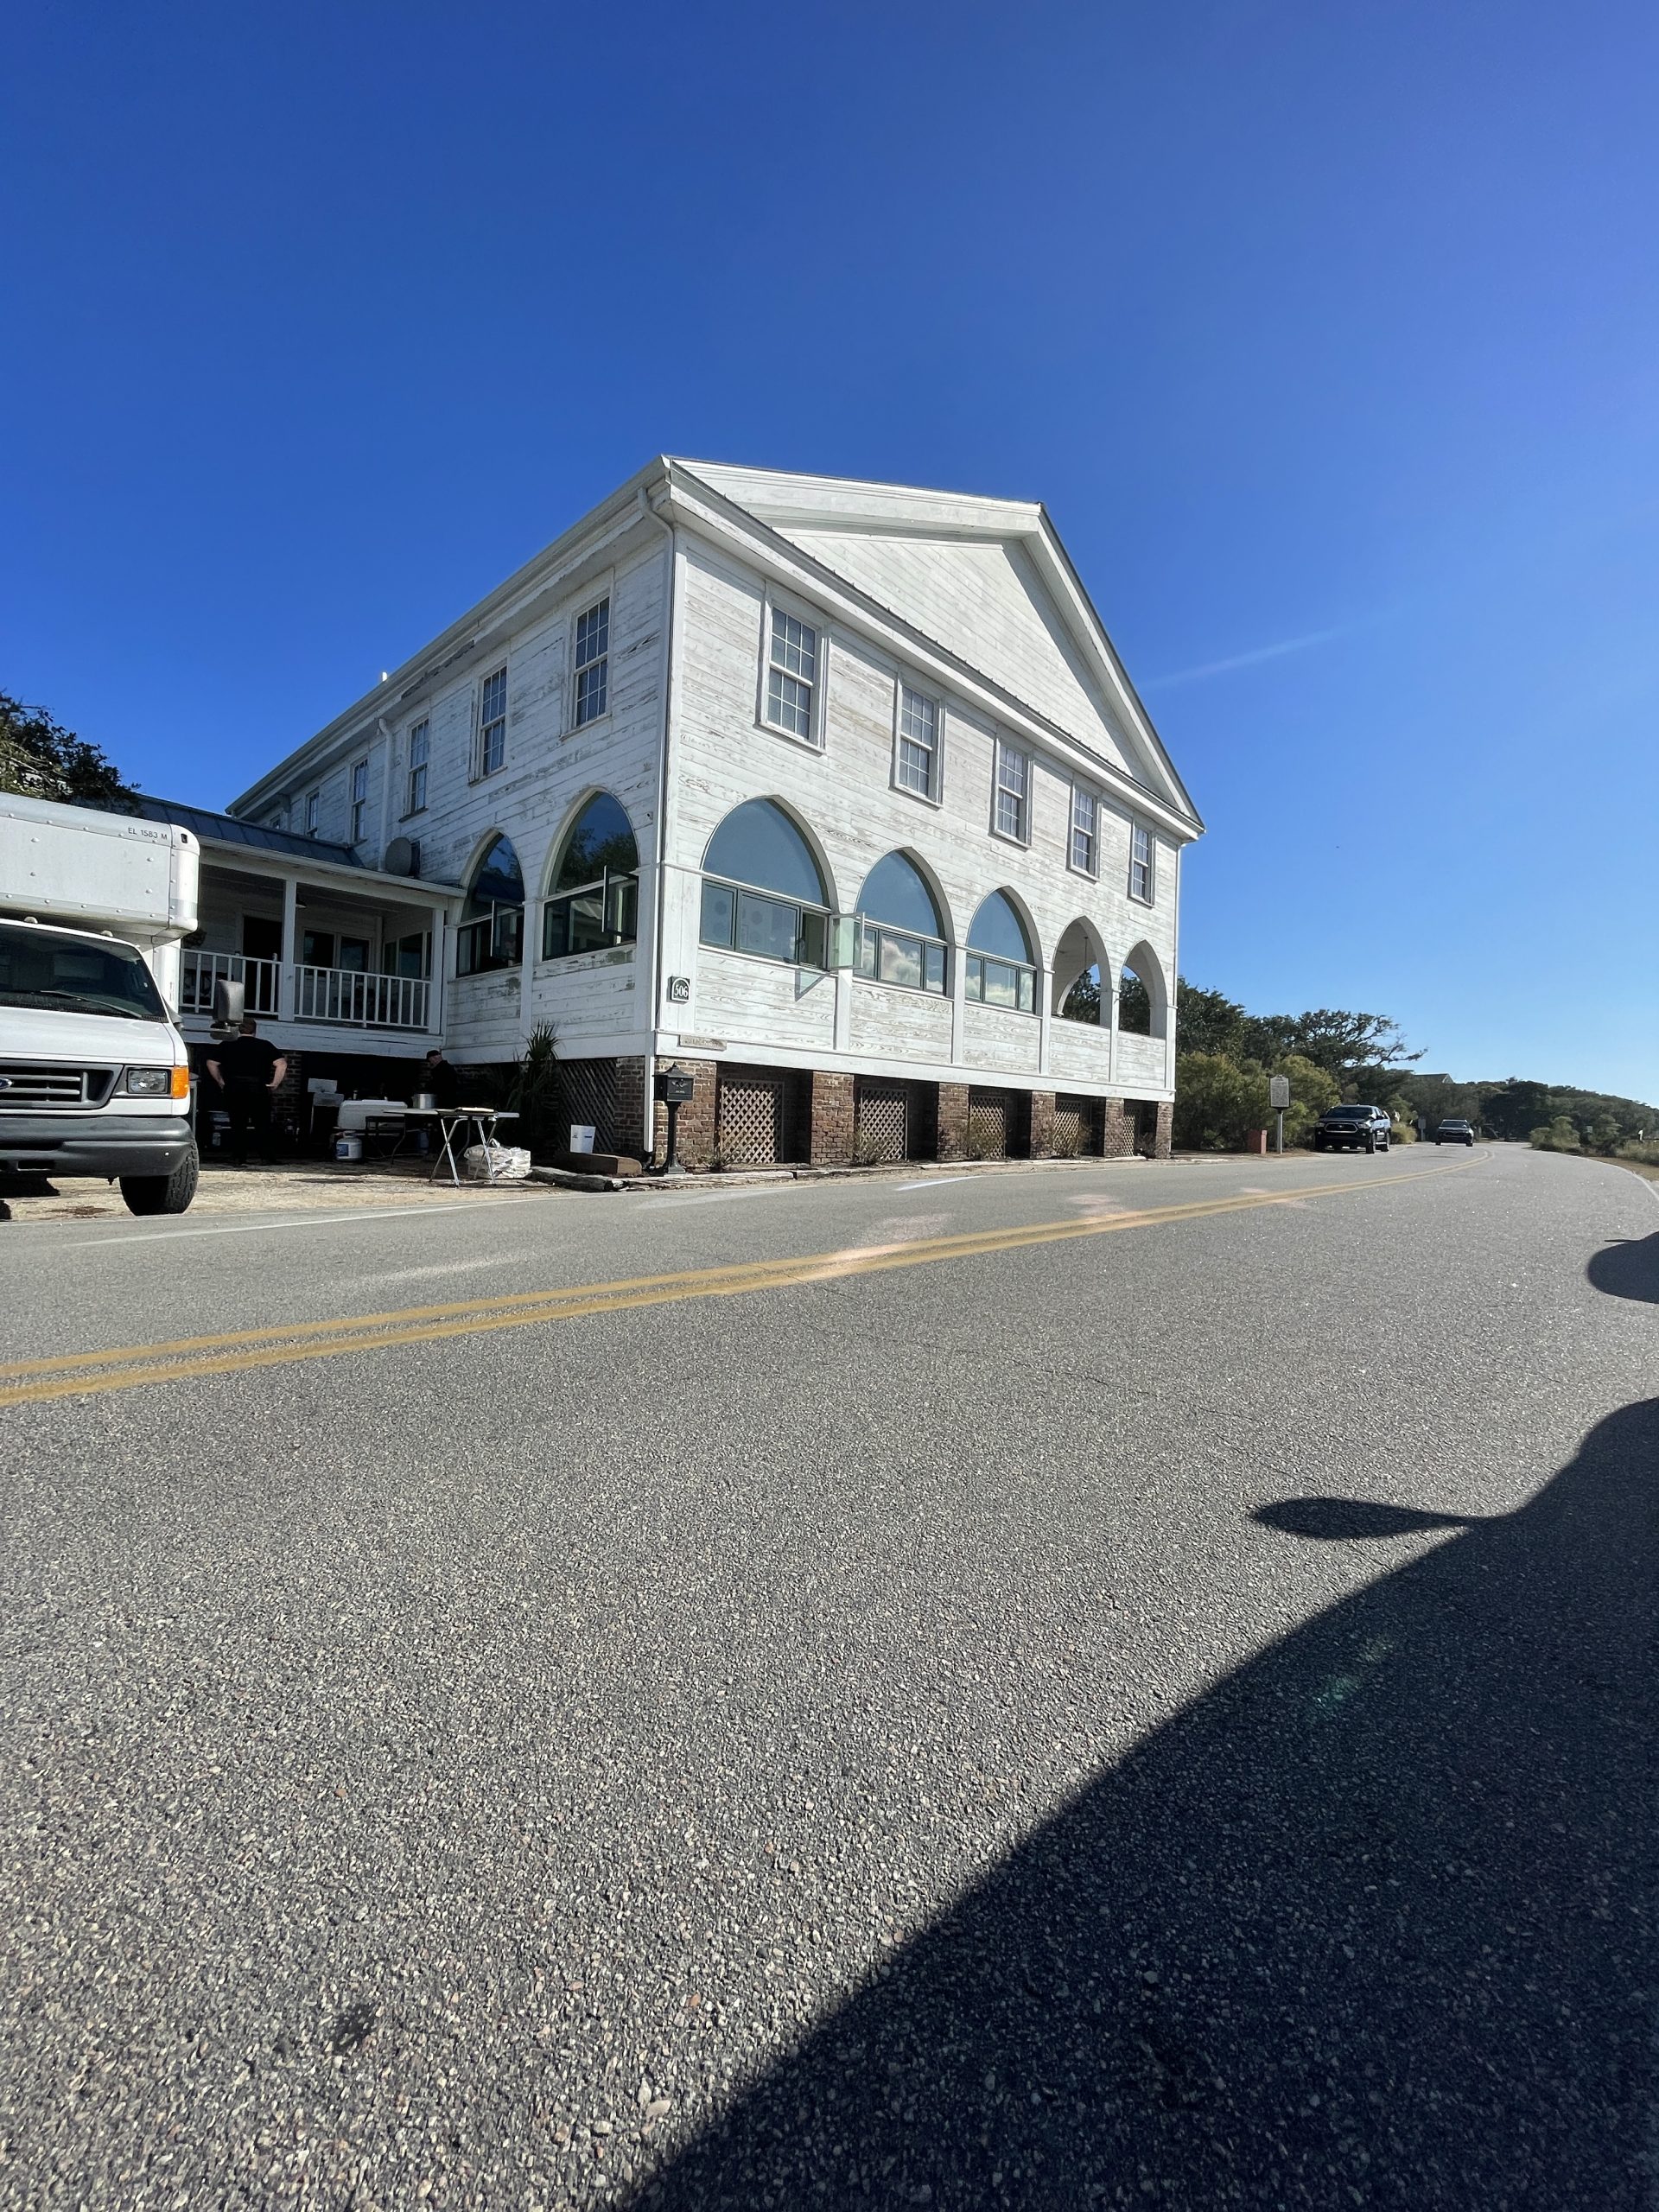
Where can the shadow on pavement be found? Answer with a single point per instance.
(1368, 1925)
(1628, 1267)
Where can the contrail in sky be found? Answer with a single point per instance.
(1250, 659)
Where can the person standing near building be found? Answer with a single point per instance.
(248, 1070)
(441, 1079)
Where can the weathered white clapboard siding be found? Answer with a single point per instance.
(757, 1002)
(996, 1038)
(889, 1024)
(846, 799)
(1140, 1063)
(1079, 1053)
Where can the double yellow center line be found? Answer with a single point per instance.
(129, 1367)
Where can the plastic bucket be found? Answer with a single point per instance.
(348, 1147)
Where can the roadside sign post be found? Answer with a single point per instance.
(1279, 1098)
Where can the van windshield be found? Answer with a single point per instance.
(74, 974)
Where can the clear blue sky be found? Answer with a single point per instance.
(1329, 334)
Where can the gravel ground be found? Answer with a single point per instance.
(1164, 1718)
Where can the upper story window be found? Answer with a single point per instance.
(277, 821)
(1001, 967)
(763, 892)
(360, 800)
(420, 747)
(595, 899)
(1085, 832)
(900, 933)
(492, 722)
(313, 812)
(792, 677)
(593, 662)
(1142, 884)
(491, 932)
(918, 743)
(1013, 793)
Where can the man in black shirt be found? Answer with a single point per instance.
(248, 1070)
(441, 1078)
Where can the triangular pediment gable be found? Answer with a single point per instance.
(988, 581)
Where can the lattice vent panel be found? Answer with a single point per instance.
(750, 1119)
(587, 1093)
(884, 1116)
(987, 1124)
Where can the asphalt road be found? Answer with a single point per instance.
(1161, 1715)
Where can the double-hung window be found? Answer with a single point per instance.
(792, 677)
(1013, 793)
(420, 747)
(492, 723)
(1086, 819)
(919, 742)
(593, 662)
(1140, 877)
(360, 800)
(313, 809)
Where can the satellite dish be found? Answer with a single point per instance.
(403, 857)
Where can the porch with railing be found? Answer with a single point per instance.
(351, 998)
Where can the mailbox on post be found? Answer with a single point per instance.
(678, 1087)
(1279, 1098)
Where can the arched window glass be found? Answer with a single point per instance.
(1134, 1006)
(762, 891)
(1000, 968)
(492, 934)
(757, 844)
(595, 899)
(901, 936)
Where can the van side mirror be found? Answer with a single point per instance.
(229, 999)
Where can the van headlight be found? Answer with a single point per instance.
(148, 1082)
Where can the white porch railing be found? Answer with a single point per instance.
(360, 1000)
(259, 980)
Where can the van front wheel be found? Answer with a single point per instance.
(162, 1193)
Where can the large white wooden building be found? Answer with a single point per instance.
(834, 795)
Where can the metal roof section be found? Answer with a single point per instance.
(232, 829)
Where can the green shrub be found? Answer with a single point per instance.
(1216, 1102)
(1561, 1135)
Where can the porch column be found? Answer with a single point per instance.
(1044, 996)
(288, 992)
(435, 986)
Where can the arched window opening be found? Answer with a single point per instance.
(1078, 961)
(491, 932)
(593, 901)
(763, 892)
(1082, 1002)
(1134, 1006)
(1000, 968)
(901, 934)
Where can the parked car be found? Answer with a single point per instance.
(1454, 1132)
(1357, 1128)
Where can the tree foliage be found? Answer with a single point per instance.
(39, 759)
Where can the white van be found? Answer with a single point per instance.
(94, 1074)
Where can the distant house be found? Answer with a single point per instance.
(834, 795)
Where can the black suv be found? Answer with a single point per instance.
(1365, 1128)
(1454, 1132)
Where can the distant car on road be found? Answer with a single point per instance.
(1454, 1132)
(1357, 1129)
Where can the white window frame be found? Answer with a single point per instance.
(603, 598)
(1091, 867)
(481, 743)
(359, 799)
(934, 794)
(775, 603)
(313, 812)
(421, 730)
(1007, 752)
(1149, 896)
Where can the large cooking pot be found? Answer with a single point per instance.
(425, 1102)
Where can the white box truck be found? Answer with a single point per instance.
(94, 1075)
